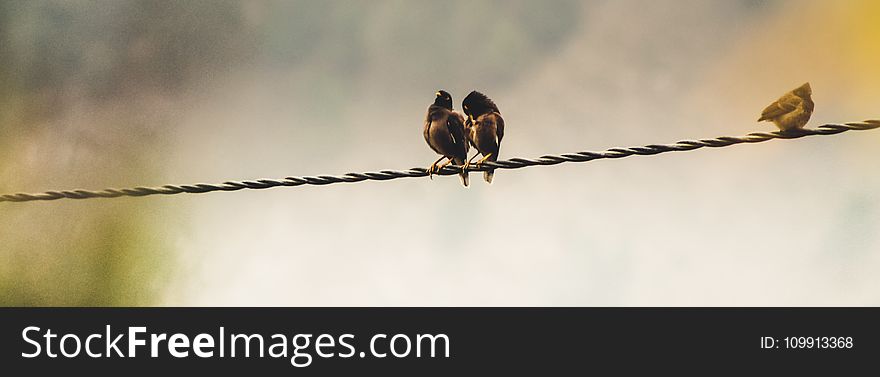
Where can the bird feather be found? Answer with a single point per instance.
(783, 106)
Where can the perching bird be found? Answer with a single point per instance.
(444, 132)
(791, 111)
(484, 127)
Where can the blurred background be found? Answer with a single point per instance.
(97, 94)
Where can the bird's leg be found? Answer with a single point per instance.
(433, 167)
(467, 163)
(444, 165)
(482, 160)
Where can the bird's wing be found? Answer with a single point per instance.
(784, 105)
(493, 124)
(455, 125)
(426, 130)
(500, 127)
(435, 114)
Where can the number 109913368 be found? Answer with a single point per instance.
(808, 342)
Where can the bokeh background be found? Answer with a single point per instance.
(97, 94)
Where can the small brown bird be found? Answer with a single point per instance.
(444, 132)
(791, 111)
(484, 127)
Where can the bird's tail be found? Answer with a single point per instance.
(464, 174)
(488, 175)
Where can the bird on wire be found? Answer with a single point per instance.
(485, 129)
(791, 111)
(444, 132)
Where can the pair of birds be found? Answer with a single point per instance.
(450, 135)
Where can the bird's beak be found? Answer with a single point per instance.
(437, 94)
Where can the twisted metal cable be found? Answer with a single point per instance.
(384, 175)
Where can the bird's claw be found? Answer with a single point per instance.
(482, 160)
(439, 168)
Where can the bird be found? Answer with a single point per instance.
(791, 111)
(485, 129)
(444, 132)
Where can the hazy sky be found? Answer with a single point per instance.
(270, 89)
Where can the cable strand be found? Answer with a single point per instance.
(385, 175)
